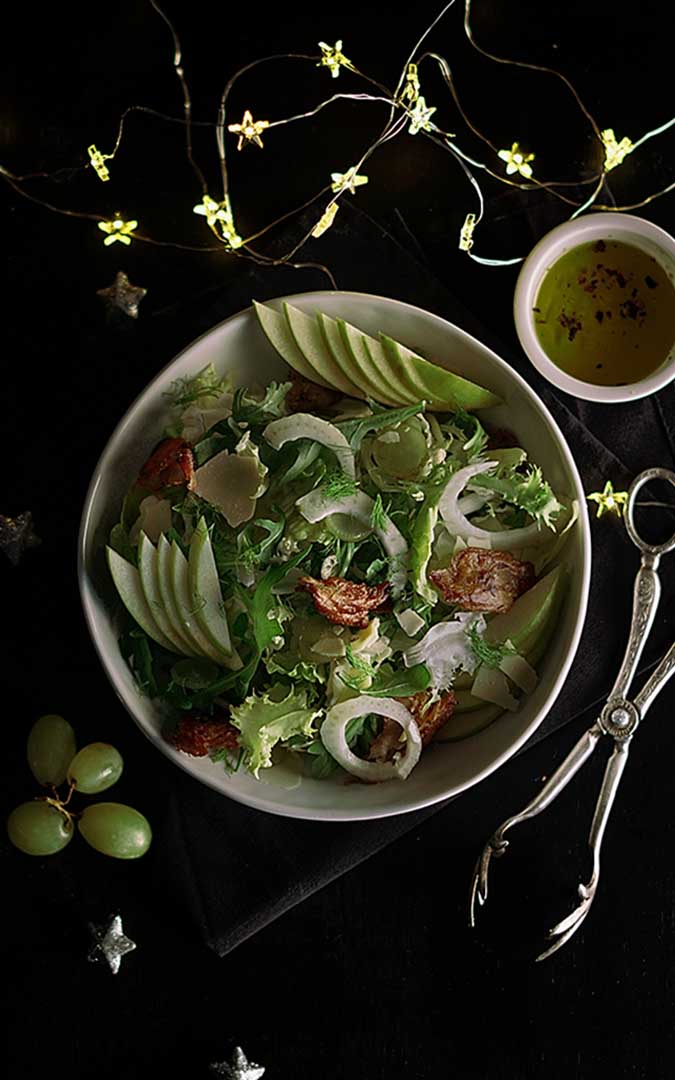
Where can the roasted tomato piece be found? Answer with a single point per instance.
(171, 463)
(430, 718)
(307, 396)
(479, 580)
(198, 735)
(348, 603)
(500, 438)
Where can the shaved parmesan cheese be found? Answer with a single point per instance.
(154, 519)
(409, 621)
(491, 685)
(230, 482)
(197, 421)
(519, 672)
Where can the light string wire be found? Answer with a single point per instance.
(407, 108)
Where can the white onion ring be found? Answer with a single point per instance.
(459, 525)
(332, 733)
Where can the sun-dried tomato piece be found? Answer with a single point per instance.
(198, 735)
(480, 580)
(307, 396)
(171, 463)
(500, 438)
(430, 718)
(345, 602)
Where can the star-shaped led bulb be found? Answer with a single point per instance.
(615, 151)
(249, 131)
(517, 161)
(608, 500)
(333, 58)
(420, 116)
(117, 230)
(348, 181)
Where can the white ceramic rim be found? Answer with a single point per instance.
(605, 225)
(335, 813)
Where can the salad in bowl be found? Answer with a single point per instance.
(325, 575)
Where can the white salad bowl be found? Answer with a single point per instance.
(238, 345)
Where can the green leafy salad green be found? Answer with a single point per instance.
(278, 569)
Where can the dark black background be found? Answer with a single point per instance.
(377, 975)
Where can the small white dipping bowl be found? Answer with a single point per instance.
(239, 347)
(603, 226)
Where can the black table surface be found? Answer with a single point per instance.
(378, 974)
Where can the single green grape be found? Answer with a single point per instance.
(51, 747)
(37, 828)
(96, 767)
(116, 830)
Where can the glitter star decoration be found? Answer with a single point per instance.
(615, 151)
(123, 295)
(16, 536)
(249, 131)
(348, 181)
(240, 1068)
(517, 161)
(466, 235)
(420, 117)
(117, 230)
(219, 218)
(608, 500)
(326, 220)
(97, 161)
(333, 58)
(110, 943)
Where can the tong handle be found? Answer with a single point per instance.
(555, 784)
(646, 596)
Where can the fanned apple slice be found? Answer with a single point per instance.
(276, 330)
(312, 344)
(149, 576)
(128, 584)
(205, 587)
(353, 341)
(441, 388)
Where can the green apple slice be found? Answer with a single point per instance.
(332, 339)
(205, 586)
(339, 335)
(311, 343)
(531, 615)
(389, 372)
(128, 584)
(168, 599)
(462, 725)
(149, 575)
(442, 389)
(187, 605)
(277, 332)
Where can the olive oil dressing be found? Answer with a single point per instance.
(605, 313)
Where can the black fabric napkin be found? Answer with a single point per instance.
(236, 869)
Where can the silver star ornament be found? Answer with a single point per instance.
(240, 1068)
(111, 943)
(123, 295)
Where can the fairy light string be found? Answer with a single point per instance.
(408, 113)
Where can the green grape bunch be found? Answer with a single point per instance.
(47, 823)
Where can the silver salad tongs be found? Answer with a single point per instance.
(619, 719)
